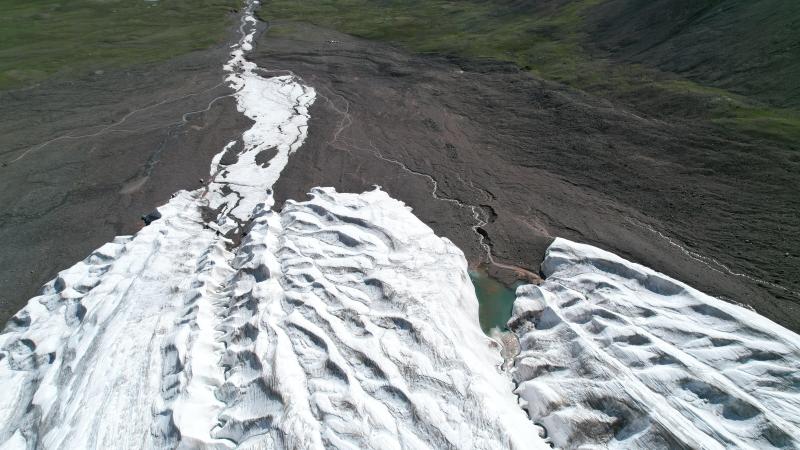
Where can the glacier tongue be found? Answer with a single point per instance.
(340, 322)
(618, 355)
(351, 325)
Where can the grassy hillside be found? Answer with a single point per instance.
(39, 38)
(748, 47)
(571, 41)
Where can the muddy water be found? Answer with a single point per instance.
(495, 300)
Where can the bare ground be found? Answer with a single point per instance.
(83, 159)
(540, 160)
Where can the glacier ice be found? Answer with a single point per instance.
(616, 355)
(341, 322)
(345, 322)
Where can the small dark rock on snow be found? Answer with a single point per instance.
(151, 217)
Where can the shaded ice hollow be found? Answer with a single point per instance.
(616, 355)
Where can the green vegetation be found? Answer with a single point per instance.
(546, 43)
(546, 37)
(39, 38)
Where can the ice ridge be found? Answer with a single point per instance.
(616, 355)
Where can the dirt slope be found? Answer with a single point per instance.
(541, 160)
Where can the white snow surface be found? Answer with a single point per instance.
(616, 355)
(278, 107)
(341, 322)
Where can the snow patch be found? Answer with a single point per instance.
(278, 107)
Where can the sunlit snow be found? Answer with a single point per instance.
(616, 354)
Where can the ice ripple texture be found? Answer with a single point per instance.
(616, 355)
(340, 322)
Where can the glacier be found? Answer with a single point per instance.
(343, 321)
(339, 322)
(616, 355)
